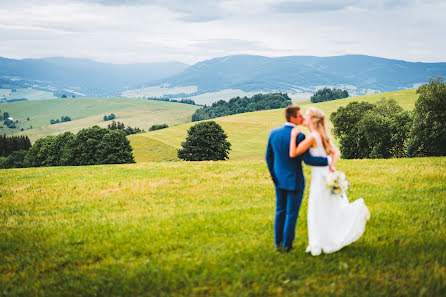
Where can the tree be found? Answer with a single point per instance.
(327, 94)
(115, 148)
(368, 130)
(428, 131)
(205, 141)
(14, 160)
(86, 145)
(64, 96)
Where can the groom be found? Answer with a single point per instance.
(288, 177)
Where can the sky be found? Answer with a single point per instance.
(189, 31)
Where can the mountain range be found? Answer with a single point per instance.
(244, 74)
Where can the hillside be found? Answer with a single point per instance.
(87, 112)
(206, 229)
(247, 132)
(299, 76)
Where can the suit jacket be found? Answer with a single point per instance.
(286, 172)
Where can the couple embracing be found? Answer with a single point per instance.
(333, 222)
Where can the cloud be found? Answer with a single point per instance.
(155, 30)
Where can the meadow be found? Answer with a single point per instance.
(247, 132)
(87, 112)
(206, 229)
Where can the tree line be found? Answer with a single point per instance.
(241, 105)
(9, 144)
(327, 94)
(90, 146)
(62, 119)
(384, 130)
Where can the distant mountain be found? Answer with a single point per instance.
(81, 75)
(302, 74)
(210, 80)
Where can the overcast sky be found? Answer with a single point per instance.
(189, 31)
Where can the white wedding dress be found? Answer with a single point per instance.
(333, 222)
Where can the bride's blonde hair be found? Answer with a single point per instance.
(317, 117)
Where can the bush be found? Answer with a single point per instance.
(109, 117)
(327, 94)
(205, 141)
(158, 127)
(428, 131)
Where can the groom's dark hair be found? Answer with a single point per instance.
(291, 111)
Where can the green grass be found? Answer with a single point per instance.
(206, 229)
(248, 132)
(87, 112)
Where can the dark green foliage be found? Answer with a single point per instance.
(64, 96)
(115, 149)
(9, 144)
(87, 143)
(120, 126)
(10, 124)
(109, 117)
(90, 146)
(327, 94)
(62, 119)
(205, 141)
(14, 160)
(185, 101)
(158, 127)
(241, 105)
(368, 130)
(428, 133)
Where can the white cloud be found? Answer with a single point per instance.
(155, 30)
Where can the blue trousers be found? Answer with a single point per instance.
(287, 211)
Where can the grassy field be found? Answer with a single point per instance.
(206, 229)
(87, 112)
(247, 132)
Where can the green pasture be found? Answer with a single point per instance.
(87, 112)
(206, 229)
(247, 132)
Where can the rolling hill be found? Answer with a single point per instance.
(86, 112)
(247, 132)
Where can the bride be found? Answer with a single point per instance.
(333, 222)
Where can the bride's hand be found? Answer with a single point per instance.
(331, 168)
(295, 131)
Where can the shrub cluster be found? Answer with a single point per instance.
(109, 117)
(62, 119)
(327, 94)
(158, 127)
(127, 130)
(241, 105)
(89, 146)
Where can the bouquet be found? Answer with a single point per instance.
(336, 183)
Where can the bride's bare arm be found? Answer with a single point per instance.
(334, 157)
(303, 145)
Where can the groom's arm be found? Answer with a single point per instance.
(270, 160)
(308, 158)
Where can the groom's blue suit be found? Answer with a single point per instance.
(288, 177)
